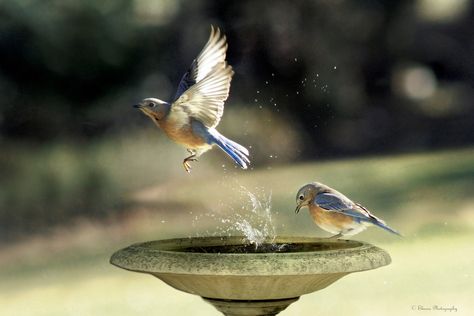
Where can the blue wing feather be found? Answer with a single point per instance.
(186, 81)
(335, 203)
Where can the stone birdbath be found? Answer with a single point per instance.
(239, 278)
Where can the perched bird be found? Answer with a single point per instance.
(190, 119)
(334, 212)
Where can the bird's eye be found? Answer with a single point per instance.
(301, 197)
(151, 104)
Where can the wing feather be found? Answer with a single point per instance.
(341, 204)
(205, 87)
(213, 53)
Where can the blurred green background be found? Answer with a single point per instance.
(374, 98)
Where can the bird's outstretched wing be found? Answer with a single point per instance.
(205, 86)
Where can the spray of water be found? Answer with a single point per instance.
(252, 219)
(256, 223)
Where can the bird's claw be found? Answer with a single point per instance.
(337, 236)
(187, 165)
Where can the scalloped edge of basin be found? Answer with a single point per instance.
(249, 276)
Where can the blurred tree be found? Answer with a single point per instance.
(73, 67)
(313, 79)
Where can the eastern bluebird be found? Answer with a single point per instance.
(334, 212)
(197, 107)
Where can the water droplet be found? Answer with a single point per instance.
(266, 82)
(296, 59)
(335, 67)
(273, 75)
(297, 92)
(256, 100)
(258, 91)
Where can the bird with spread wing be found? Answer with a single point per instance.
(197, 107)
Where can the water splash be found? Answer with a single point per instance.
(256, 224)
(252, 219)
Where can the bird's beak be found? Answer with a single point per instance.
(298, 207)
(137, 106)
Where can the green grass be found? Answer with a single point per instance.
(428, 197)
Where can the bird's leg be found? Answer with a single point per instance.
(336, 236)
(186, 164)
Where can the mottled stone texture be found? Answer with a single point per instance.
(186, 265)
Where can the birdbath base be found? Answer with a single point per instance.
(250, 308)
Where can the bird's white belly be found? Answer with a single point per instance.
(347, 230)
(354, 229)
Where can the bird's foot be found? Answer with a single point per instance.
(337, 236)
(187, 165)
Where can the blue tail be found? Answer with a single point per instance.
(382, 224)
(370, 218)
(237, 152)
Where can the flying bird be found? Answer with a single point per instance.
(191, 118)
(336, 213)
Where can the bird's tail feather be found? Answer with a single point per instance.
(236, 151)
(382, 224)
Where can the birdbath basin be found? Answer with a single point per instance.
(241, 279)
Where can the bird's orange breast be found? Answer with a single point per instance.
(329, 219)
(182, 134)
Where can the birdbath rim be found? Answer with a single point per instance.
(314, 256)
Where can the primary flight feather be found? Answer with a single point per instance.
(198, 105)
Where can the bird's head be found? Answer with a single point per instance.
(154, 108)
(307, 193)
